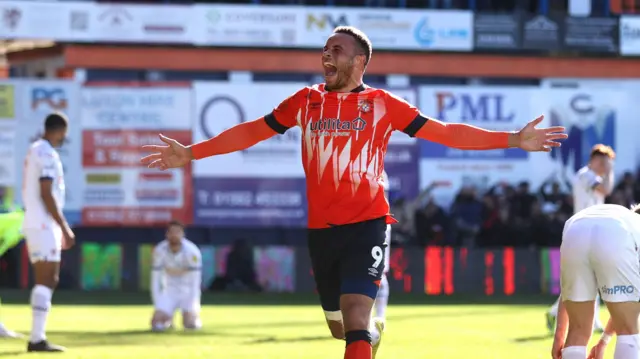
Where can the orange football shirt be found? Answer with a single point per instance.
(344, 141)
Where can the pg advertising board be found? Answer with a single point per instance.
(117, 122)
(494, 108)
(34, 100)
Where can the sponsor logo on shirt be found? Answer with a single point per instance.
(336, 127)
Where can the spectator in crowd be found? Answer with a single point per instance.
(522, 202)
(627, 189)
(441, 4)
(466, 213)
(551, 192)
(405, 212)
(431, 224)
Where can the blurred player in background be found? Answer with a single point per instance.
(382, 300)
(592, 184)
(45, 228)
(346, 127)
(599, 253)
(10, 236)
(176, 280)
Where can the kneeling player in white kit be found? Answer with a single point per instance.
(599, 252)
(382, 299)
(176, 280)
(592, 183)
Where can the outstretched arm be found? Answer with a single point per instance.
(247, 134)
(236, 138)
(174, 154)
(408, 119)
(466, 137)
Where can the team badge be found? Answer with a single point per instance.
(364, 106)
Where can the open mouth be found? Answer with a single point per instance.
(330, 69)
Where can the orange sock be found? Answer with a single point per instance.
(358, 345)
(358, 350)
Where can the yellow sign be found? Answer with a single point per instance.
(104, 178)
(7, 102)
(326, 21)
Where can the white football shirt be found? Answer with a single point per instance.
(584, 195)
(42, 162)
(610, 215)
(180, 271)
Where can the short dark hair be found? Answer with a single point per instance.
(602, 150)
(55, 121)
(175, 223)
(364, 44)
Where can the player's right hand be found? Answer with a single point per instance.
(597, 352)
(608, 166)
(68, 238)
(172, 155)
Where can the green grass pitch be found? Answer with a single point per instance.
(115, 326)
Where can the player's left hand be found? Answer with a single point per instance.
(597, 352)
(534, 139)
(556, 349)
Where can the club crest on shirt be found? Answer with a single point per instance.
(364, 106)
(194, 259)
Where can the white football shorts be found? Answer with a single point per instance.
(169, 304)
(599, 255)
(44, 245)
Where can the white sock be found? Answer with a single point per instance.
(574, 353)
(554, 308)
(382, 299)
(40, 305)
(627, 347)
(375, 334)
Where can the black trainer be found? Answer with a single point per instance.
(44, 346)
